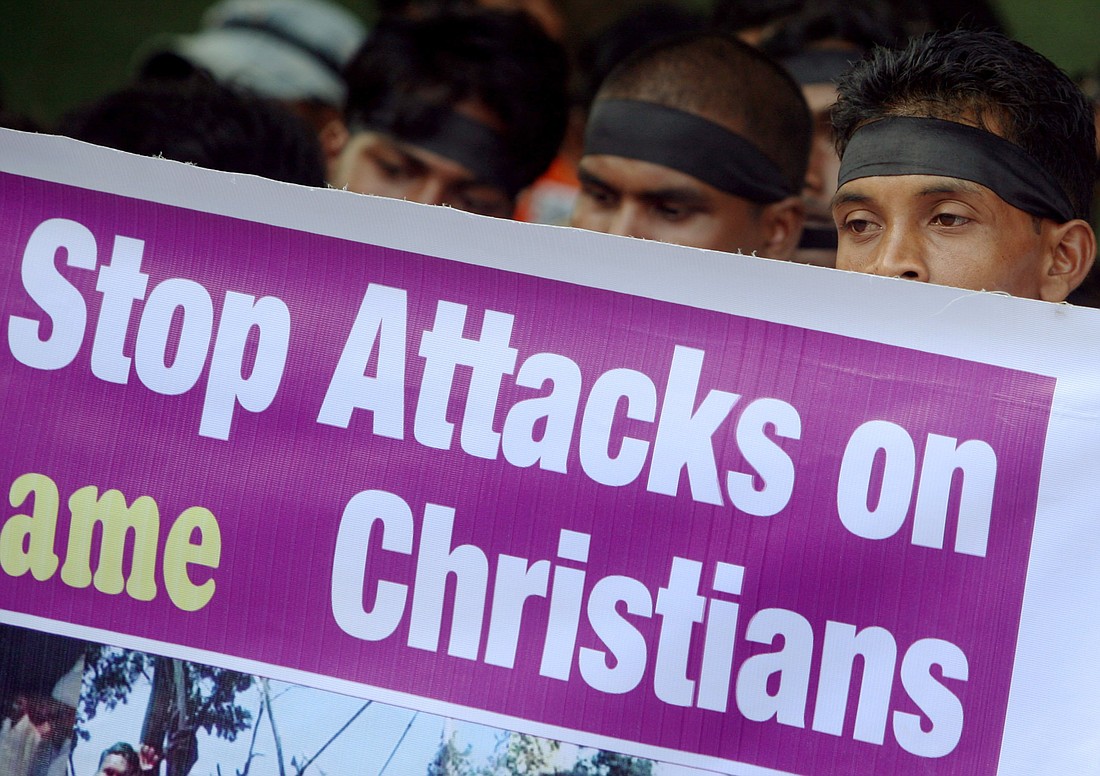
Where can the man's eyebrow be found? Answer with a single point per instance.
(411, 159)
(407, 154)
(846, 197)
(590, 178)
(681, 194)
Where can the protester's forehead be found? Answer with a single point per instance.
(970, 112)
(912, 188)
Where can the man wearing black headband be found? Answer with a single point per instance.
(700, 141)
(967, 160)
(463, 108)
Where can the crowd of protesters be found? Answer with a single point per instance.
(963, 157)
(898, 139)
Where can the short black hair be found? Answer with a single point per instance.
(196, 120)
(411, 71)
(718, 77)
(986, 79)
(126, 752)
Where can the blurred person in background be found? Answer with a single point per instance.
(462, 108)
(752, 20)
(817, 45)
(199, 121)
(755, 21)
(292, 51)
(549, 14)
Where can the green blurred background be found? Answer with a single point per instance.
(56, 54)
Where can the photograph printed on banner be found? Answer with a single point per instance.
(74, 708)
(40, 689)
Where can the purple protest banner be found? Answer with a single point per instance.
(695, 535)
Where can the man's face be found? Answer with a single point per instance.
(642, 199)
(824, 163)
(821, 174)
(940, 230)
(113, 765)
(376, 163)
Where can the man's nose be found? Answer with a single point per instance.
(629, 221)
(901, 254)
(430, 191)
(814, 183)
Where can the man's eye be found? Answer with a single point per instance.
(598, 196)
(672, 212)
(857, 225)
(486, 205)
(949, 219)
(394, 171)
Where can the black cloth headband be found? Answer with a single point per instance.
(906, 145)
(686, 142)
(476, 146)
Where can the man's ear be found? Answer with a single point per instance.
(333, 136)
(1072, 251)
(781, 227)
